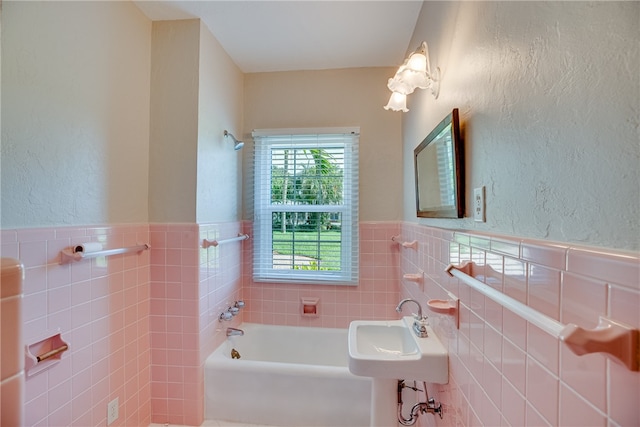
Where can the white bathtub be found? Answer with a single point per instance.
(286, 376)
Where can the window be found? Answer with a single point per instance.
(306, 206)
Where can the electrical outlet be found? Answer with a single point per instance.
(112, 411)
(479, 205)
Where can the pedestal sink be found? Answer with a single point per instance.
(388, 350)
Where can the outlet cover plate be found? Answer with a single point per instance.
(479, 204)
(112, 411)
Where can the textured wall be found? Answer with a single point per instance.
(549, 97)
(175, 59)
(196, 94)
(219, 183)
(75, 113)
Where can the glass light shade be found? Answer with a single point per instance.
(414, 78)
(396, 84)
(417, 62)
(397, 102)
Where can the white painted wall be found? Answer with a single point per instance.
(219, 182)
(175, 59)
(330, 98)
(549, 97)
(110, 119)
(75, 113)
(196, 93)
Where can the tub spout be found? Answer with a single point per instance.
(234, 332)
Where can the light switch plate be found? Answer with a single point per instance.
(479, 204)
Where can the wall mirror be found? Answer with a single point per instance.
(439, 171)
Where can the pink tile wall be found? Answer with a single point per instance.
(220, 283)
(173, 319)
(190, 286)
(141, 326)
(505, 371)
(375, 297)
(11, 346)
(101, 307)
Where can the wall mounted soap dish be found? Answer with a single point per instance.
(414, 277)
(450, 306)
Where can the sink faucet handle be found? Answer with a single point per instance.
(417, 317)
(420, 328)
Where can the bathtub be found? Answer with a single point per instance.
(286, 376)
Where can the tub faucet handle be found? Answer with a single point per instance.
(235, 308)
(227, 315)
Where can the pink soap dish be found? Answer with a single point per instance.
(441, 306)
(450, 307)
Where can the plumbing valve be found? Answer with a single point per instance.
(236, 307)
(432, 407)
(428, 407)
(231, 311)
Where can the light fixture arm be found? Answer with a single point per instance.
(424, 49)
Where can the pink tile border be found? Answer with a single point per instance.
(548, 255)
(620, 268)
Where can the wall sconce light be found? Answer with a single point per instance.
(414, 73)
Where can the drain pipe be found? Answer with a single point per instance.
(429, 406)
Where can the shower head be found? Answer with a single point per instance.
(237, 144)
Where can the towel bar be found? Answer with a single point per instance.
(615, 339)
(208, 243)
(68, 255)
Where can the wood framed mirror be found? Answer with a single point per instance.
(439, 171)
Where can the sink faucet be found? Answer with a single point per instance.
(419, 321)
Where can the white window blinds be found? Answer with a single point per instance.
(306, 206)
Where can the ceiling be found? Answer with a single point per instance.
(270, 35)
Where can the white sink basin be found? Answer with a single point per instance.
(390, 349)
